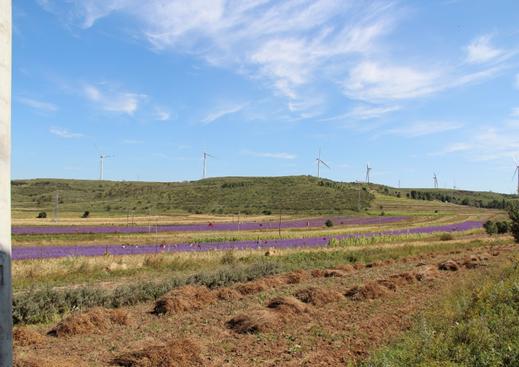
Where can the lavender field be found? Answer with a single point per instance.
(214, 226)
(41, 252)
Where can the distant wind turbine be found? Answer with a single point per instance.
(435, 180)
(368, 171)
(205, 156)
(102, 158)
(516, 173)
(319, 162)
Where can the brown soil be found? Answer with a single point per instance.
(96, 320)
(318, 296)
(184, 298)
(183, 352)
(46, 362)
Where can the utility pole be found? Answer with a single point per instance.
(56, 207)
(279, 226)
(6, 311)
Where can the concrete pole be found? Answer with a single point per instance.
(6, 314)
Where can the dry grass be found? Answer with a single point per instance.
(370, 290)
(253, 322)
(449, 265)
(287, 305)
(318, 296)
(24, 336)
(96, 320)
(186, 298)
(182, 353)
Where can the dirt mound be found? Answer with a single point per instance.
(252, 287)
(389, 284)
(95, 320)
(318, 296)
(329, 273)
(45, 362)
(24, 336)
(228, 294)
(274, 281)
(252, 322)
(182, 352)
(449, 265)
(374, 264)
(358, 266)
(317, 273)
(287, 304)
(185, 298)
(367, 291)
(345, 267)
(426, 273)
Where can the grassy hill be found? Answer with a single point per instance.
(226, 195)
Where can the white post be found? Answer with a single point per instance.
(6, 314)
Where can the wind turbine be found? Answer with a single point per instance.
(319, 162)
(102, 158)
(516, 173)
(205, 156)
(435, 180)
(368, 171)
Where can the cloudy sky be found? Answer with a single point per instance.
(412, 87)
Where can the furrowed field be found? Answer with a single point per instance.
(288, 271)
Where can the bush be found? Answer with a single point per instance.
(446, 237)
(513, 213)
(42, 215)
(328, 223)
(86, 214)
(502, 227)
(490, 227)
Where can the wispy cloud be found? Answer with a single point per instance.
(423, 128)
(481, 50)
(219, 113)
(274, 155)
(161, 114)
(112, 99)
(64, 133)
(37, 104)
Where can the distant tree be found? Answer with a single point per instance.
(490, 227)
(328, 223)
(513, 213)
(42, 215)
(86, 214)
(502, 227)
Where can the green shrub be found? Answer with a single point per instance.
(490, 227)
(42, 215)
(446, 237)
(513, 213)
(328, 223)
(502, 227)
(86, 214)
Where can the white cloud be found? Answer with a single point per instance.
(274, 155)
(423, 128)
(218, 114)
(113, 100)
(161, 114)
(370, 112)
(38, 105)
(480, 50)
(64, 133)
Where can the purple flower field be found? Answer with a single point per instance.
(20, 253)
(246, 226)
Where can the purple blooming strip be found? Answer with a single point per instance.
(20, 253)
(299, 223)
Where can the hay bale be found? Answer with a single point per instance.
(182, 352)
(389, 284)
(228, 294)
(318, 296)
(187, 298)
(24, 336)
(329, 273)
(365, 292)
(114, 266)
(252, 322)
(96, 320)
(251, 287)
(271, 252)
(295, 277)
(449, 265)
(287, 304)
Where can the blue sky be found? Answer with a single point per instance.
(412, 87)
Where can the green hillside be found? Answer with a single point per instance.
(227, 195)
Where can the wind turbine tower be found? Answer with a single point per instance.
(102, 158)
(368, 171)
(516, 173)
(205, 156)
(319, 162)
(435, 179)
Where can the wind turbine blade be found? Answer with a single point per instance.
(515, 172)
(324, 163)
